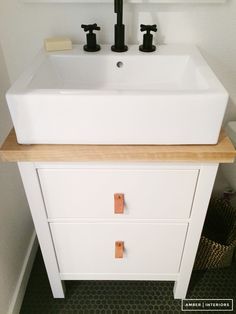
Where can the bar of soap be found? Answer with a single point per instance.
(57, 43)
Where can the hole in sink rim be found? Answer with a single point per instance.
(119, 64)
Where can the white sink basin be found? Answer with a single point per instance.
(170, 96)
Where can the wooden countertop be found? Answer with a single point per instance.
(223, 152)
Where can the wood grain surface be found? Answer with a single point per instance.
(223, 152)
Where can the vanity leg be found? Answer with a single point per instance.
(203, 191)
(33, 192)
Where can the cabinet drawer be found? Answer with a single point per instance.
(89, 193)
(149, 248)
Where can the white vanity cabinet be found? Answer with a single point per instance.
(118, 212)
(74, 210)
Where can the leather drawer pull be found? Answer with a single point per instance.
(119, 249)
(119, 203)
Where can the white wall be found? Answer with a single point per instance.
(22, 30)
(16, 227)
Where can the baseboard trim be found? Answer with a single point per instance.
(21, 285)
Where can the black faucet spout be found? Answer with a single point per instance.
(119, 45)
(118, 6)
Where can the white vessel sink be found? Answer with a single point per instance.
(170, 96)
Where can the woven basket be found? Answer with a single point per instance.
(218, 240)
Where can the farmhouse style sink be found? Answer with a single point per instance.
(170, 96)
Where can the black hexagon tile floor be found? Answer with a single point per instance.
(122, 297)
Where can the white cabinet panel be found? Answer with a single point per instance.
(90, 248)
(89, 193)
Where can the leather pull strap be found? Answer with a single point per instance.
(119, 203)
(119, 249)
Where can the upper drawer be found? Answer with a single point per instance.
(89, 193)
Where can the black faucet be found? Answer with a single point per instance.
(119, 45)
(147, 45)
(91, 37)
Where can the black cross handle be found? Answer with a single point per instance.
(148, 28)
(91, 27)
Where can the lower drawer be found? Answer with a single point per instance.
(148, 248)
